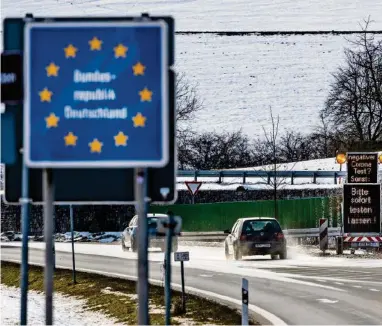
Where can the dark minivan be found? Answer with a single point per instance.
(255, 236)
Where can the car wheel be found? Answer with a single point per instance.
(228, 256)
(273, 257)
(133, 246)
(283, 254)
(237, 253)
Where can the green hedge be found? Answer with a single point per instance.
(293, 213)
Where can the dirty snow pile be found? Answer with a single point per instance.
(67, 310)
(101, 237)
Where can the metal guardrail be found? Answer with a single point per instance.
(220, 235)
(244, 174)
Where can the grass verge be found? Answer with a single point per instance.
(117, 297)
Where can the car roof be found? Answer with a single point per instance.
(257, 218)
(155, 215)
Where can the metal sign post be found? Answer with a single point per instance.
(143, 270)
(48, 191)
(24, 251)
(182, 257)
(72, 238)
(193, 188)
(170, 228)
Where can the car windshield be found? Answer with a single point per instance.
(254, 226)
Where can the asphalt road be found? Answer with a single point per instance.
(358, 302)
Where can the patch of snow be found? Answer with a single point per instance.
(215, 15)
(67, 310)
(109, 290)
(257, 183)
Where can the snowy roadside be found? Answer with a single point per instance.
(67, 310)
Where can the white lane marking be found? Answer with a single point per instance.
(339, 283)
(271, 318)
(357, 286)
(205, 275)
(327, 300)
(374, 290)
(297, 276)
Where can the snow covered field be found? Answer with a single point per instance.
(67, 310)
(218, 15)
(240, 77)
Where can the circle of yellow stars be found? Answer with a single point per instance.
(70, 52)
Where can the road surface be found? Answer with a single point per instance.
(309, 295)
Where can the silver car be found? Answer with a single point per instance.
(129, 235)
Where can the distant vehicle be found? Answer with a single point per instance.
(255, 236)
(129, 235)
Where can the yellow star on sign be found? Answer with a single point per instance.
(120, 51)
(52, 70)
(70, 139)
(121, 139)
(95, 44)
(145, 95)
(45, 95)
(70, 51)
(139, 69)
(95, 146)
(52, 120)
(139, 120)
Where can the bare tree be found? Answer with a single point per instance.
(354, 104)
(187, 102)
(271, 138)
(294, 147)
(212, 150)
(272, 147)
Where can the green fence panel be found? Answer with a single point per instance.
(293, 213)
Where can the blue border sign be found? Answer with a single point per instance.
(96, 94)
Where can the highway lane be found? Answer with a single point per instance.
(295, 303)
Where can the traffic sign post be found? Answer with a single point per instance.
(11, 77)
(193, 187)
(361, 198)
(87, 186)
(362, 208)
(143, 267)
(182, 257)
(96, 95)
(362, 194)
(71, 213)
(99, 94)
(362, 167)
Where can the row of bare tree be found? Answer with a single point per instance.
(352, 114)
